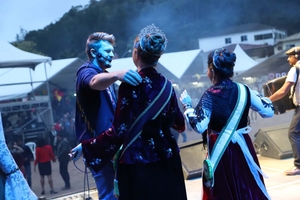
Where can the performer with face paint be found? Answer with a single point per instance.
(148, 164)
(231, 170)
(96, 100)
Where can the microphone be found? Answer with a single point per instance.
(102, 58)
(99, 55)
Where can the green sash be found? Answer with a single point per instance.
(210, 164)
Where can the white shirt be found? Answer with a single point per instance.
(292, 77)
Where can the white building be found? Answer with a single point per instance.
(243, 34)
(287, 43)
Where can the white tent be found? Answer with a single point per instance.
(17, 82)
(243, 61)
(178, 62)
(13, 57)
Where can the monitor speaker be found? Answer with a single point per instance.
(192, 155)
(273, 142)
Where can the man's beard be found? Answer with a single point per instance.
(104, 61)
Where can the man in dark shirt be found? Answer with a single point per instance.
(27, 156)
(63, 149)
(96, 99)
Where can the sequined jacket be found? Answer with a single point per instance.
(156, 141)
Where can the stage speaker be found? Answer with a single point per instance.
(192, 155)
(273, 142)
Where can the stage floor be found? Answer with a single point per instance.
(278, 185)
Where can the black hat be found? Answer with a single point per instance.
(293, 51)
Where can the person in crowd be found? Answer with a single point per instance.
(148, 166)
(63, 132)
(177, 133)
(27, 157)
(13, 184)
(231, 170)
(66, 122)
(57, 124)
(289, 85)
(17, 153)
(44, 156)
(63, 149)
(52, 138)
(72, 139)
(96, 99)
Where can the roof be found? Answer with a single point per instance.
(11, 56)
(246, 47)
(274, 64)
(240, 29)
(295, 36)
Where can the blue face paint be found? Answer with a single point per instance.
(105, 53)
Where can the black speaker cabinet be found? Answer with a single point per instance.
(192, 155)
(273, 142)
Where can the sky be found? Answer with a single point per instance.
(31, 15)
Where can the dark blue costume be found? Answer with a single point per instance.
(98, 108)
(234, 175)
(154, 152)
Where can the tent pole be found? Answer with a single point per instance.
(31, 83)
(51, 111)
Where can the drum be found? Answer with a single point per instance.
(282, 105)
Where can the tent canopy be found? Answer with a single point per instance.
(17, 82)
(14, 57)
(178, 62)
(175, 63)
(274, 64)
(243, 61)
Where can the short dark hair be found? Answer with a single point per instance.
(41, 142)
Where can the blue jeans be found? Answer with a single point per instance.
(104, 180)
(294, 136)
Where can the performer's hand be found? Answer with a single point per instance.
(131, 77)
(76, 152)
(186, 100)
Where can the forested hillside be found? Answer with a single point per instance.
(183, 21)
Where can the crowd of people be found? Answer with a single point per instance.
(54, 144)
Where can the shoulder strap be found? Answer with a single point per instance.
(151, 112)
(88, 125)
(230, 127)
(297, 72)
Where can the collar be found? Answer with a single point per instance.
(148, 70)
